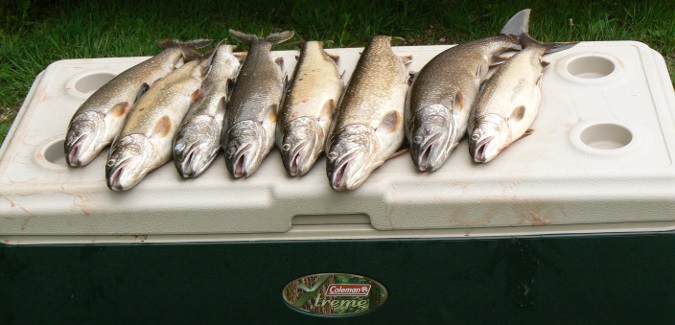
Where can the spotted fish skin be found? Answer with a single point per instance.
(101, 116)
(251, 117)
(443, 92)
(145, 141)
(368, 128)
(308, 109)
(509, 101)
(197, 142)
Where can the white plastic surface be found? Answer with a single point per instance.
(600, 160)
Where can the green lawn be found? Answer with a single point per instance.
(36, 33)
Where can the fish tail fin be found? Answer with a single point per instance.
(551, 47)
(196, 43)
(518, 24)
(277, 38)
(247, 39)
(190, 53)
(188, 48)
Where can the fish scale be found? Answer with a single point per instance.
(368, 128)
(101, 116)
(144, 143)
(308, 109)
(198, 141)
(249, 126)
(442, 94)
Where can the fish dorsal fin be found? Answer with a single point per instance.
(390, 122)
(406, 59)
(518, 24)
(280, 62)
(544, 63)
(144, 88)
(333, 57)
(120, 109)
(162, 127)
(516, 115)
(241, 56)
(458, 101)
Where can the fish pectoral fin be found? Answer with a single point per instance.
(390, 123)
(516, 115)
(501, 58)
(195, 95)
(411, 76)
(458, 101)
(528, 132)
(329, 107)
(120, 109)
(406, 59)
(144, 88)
(400, 151)
(222, 104)
(230, 86)
(162, 127)
(271, 115)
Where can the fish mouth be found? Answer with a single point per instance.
(338, 181)
(240, 163)
(193, 161)
(72, 149)
(479, 150)
(426, 158)
(115, 179)
(296, 160)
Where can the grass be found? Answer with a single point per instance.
(35, 33)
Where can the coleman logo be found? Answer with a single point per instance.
(339, 290)
(334, 294)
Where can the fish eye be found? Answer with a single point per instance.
(417, 139)
(111, 162)
(475, 137)
(286, 147)
(332, 155)
(231, 150)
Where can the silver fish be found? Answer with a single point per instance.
(144, 143)
(509, 102)
(308, 109)
(101, 116)
(197, 142)
(368, 128)
(442, 93)
(251, 117)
